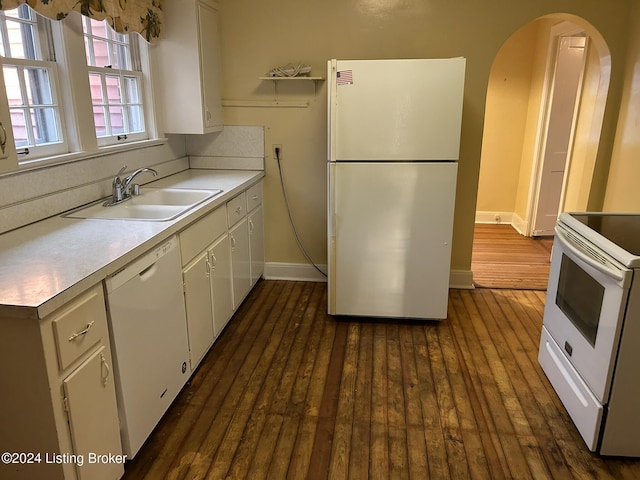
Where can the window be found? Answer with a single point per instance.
(31, 79)
(115, 78)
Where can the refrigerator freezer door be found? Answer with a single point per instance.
(390, 238)
(395, 110)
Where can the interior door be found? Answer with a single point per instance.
(563, 99)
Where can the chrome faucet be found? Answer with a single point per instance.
(121, 188)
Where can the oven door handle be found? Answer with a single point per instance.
(579, 252)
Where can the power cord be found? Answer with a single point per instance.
(293, 227)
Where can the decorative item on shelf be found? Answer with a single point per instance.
(290, 70)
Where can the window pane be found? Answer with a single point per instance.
(101, 53)
(38, 86)
(95, 83)
(121, 57)
(117, 120)
(98, 28)
(19, 127)
(136, 119)
(131, 89)
(45, 126)
(22, 34)
(12, 84)
(99, 116)
(113, 89)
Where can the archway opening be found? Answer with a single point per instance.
(517, 128)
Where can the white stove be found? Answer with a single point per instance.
(590, 342)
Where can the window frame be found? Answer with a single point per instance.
(44, 47)
(74, 96)
(113, 41)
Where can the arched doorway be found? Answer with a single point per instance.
(517, 112)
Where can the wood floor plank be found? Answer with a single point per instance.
(434, 434)
(379, 456)
(360, 457)
(342, 432)
(415, 430)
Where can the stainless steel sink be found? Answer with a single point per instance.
(153, 204)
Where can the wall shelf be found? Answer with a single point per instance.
(276, 80)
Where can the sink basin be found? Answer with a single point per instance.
(153, 204)
(172, 196)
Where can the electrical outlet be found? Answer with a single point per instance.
(277, 151)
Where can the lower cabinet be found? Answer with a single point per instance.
(256, 243)
(197, 298)
(220, 261)
(222, 258)
(60, 402)
(240, 261)
(92, 412)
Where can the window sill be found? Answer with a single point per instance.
(78, 156)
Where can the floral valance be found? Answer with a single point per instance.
(124, 16)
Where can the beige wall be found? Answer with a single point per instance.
(623, 194)
(258, 35)
(505, 121)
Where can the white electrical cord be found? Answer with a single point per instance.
(293, 227)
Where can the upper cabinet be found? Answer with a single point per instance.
(188, 58)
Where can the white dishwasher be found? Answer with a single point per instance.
(148, 329)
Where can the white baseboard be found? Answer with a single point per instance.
(502, 218)
(294, 271)
(494, 217)
(303, 272)
(462, 279)
(519, 224)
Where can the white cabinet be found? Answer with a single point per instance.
(92, 413)
(188, 60)
(220, 261)
(256, 231)
(222, 258)
(61, 389)
(206, 258)
(197, 299)
(240, 261)
(240, 256)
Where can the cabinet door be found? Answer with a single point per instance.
(93, 416)
(197, 300)
(220, 259)
(210, 65)
(256, 244)
(240, 263)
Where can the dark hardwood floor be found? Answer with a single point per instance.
(288, 391)
(502, 258)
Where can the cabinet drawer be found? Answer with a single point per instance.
(236, 208)
(79, 325)
(199, 236)
(254, 196)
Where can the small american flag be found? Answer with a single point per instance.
(345, 77)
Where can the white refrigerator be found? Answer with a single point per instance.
(394, 136)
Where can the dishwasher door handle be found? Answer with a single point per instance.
(148, 272)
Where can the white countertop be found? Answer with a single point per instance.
(46, 264)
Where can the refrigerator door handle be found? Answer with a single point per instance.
(332, 67)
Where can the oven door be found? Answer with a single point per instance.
(585, 305)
